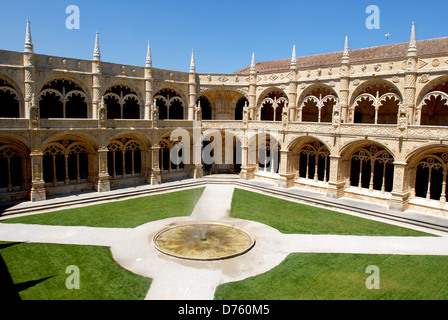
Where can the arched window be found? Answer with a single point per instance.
(12, 168)
(62, 99)
(66, 161)
(372, 169)
(166, 161)
(206, 108)
(54, 163)
(431, 176)
(170, 104)
(272, 105)
(78, 162)
(433, 107)
(122, 103)
(124, 158)
(9, 101)
(314, 162)
(377, 103)
(239, 108)
(317, 106)
(268, 155)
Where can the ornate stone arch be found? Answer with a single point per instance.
(310, 158)
(370, 96)
(169, 101)
(271, 103)
(123, 101)
(14, 165)
(368, 165)
(12, 92)
(432, 103)
(63, 97)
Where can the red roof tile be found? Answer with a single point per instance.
(399, 50)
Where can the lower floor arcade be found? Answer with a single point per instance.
(358, 168)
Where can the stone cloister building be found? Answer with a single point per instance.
(370, 124)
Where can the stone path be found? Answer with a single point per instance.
(175, 279)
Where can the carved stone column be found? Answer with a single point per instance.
(148, 93)
(253, 90)
(344, 85)
(103, 184)
(37, 180)
(96, 78)
(192, 88)
(411, 78)
(30, 75)
(292, 95)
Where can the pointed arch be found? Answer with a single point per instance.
(432, 104)
(316, 103)
(63, 97)
(122, 102)
(271, 104)
(11, 104)
(376, 101)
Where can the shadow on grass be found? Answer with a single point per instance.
(8, 290)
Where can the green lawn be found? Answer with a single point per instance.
(38, 270)
(120, 214)
(313, 276)
(291, 217)
(42, 274)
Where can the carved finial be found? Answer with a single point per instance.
(148, 56)
(192, 64)
(293, 58)
(346, 54)
(252, 64)
(412, 42)
(28, 40)
(96, 52)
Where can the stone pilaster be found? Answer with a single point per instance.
(192, 88)
(400, 195)
(292, 94)
(253, 90)
(286, 179)
(96, 79)
(411, 78)
(37, 180)
(344, 85)
(155, 176)
(336, 185)
(103, 183)
(149, 85)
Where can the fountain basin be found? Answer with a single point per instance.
(203, 241)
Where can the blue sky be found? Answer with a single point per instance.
(223, 33)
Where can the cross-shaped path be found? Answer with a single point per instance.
(175, 278)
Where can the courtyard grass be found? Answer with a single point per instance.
(120, 214)
(317, 276)
(38, 272)
(290, 217)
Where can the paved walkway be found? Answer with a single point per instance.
(175, 279)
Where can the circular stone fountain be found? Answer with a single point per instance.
(203, 241)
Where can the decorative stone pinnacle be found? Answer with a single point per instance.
(293, 58)
(252, 64)
(148, 56)
(192, 64)
(28, 40)
(96, 52)
(412, 42)
(346, 54)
